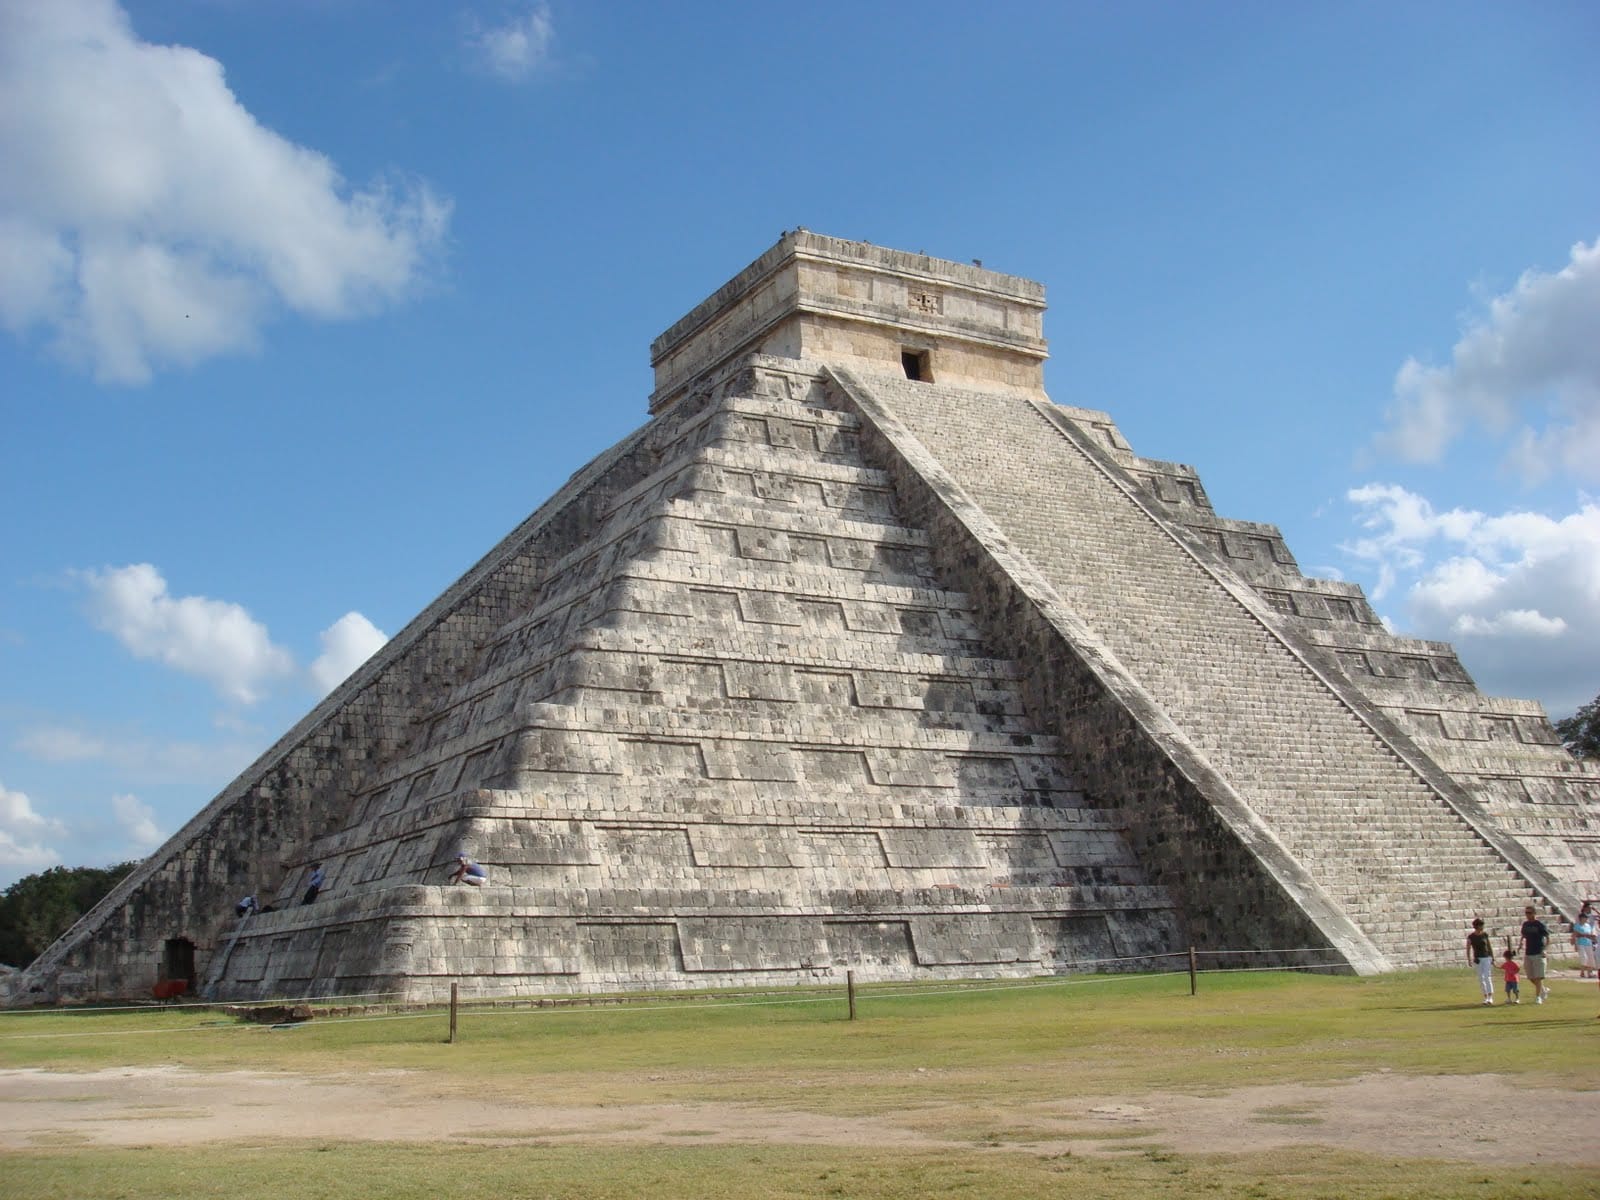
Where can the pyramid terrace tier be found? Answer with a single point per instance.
(679, 601)
(416, 941)
(607, 668)
(785, 841)
(533, 745)
(761, 595)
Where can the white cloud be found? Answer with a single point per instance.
(214, 640)
(1511, 621)
(1534, 357)
(23, 832)
(137, 821)
(211, 639)
(346, 644)
(146, 218)
(513, 51)
(1517, 593)
(56, 744)
(145, 760)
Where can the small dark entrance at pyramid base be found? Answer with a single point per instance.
(177, 976)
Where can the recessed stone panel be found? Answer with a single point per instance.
(825, 687)
(1081, 941)
(756, 761)
(756, 846)
(544, 843)
(1022, 851)
(932, 848)
(724, 945)
(972, 939)
(659, 758)
(625, 950)
(833, 769)
(872, 945)
(845, 853)
(642, 848)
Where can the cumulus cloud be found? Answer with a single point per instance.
(137, 821)
(213, 640)
(517, 48)
(1517, 592)
(24, 832)
(147, 219)
(346, 644)
(1533, 357)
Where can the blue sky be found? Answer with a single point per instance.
(304, 305)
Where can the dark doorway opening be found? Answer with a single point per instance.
(177, 962)
(916, 366)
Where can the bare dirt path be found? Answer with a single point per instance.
(1483, 1118)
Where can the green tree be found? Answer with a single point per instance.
(37, 909)
(1580, 732)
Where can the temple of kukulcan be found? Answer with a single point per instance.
(861, 654)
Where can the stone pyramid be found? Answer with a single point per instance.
(862, 654)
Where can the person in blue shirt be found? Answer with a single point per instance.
(469, 872)
(318, 878)
(1585, 931)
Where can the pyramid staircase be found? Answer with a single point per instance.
(1501, 752)
(1379, 838)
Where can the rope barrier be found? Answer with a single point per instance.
(1294, 950)
(646, 1008)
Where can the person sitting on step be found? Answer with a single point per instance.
(469, 872)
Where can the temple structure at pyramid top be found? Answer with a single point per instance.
(825, 300)
(861, 654)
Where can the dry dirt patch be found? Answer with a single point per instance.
(1483, 1118)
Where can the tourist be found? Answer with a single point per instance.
(246, 906)
(315, 886)
(1584, 932)
(1534, 937)
(1509, 966)
(1480, 953)
(469, 872)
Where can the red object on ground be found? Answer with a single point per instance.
(170, 989)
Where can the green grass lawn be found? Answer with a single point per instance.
(970, 1047)
(404, 1172)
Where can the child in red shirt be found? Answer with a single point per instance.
(1509, 966)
